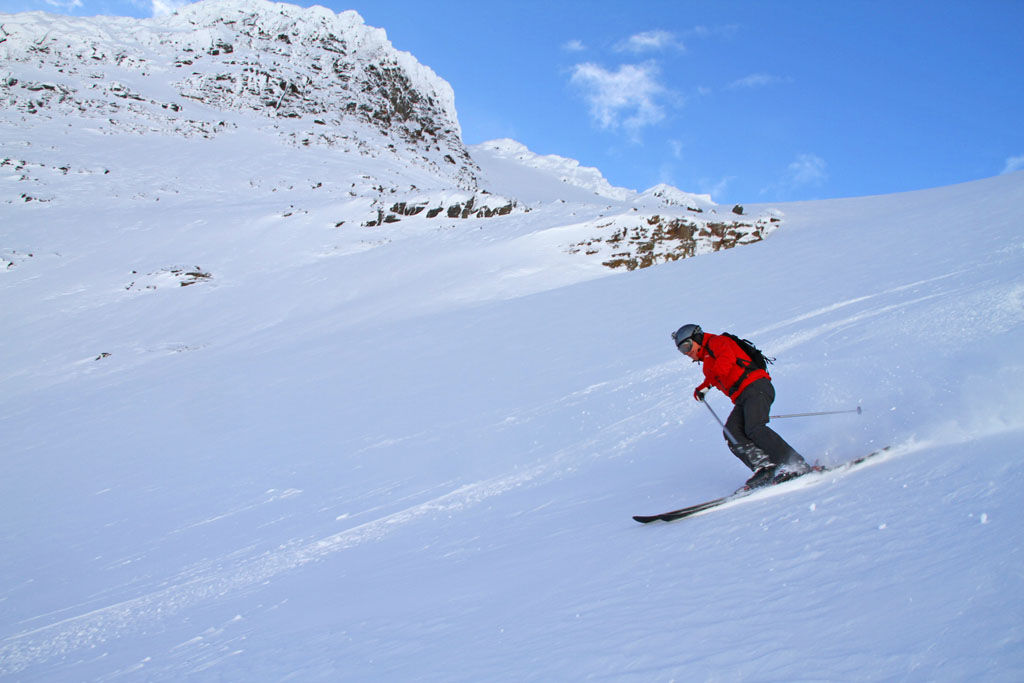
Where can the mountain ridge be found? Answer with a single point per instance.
(342, 78)
(309, 79)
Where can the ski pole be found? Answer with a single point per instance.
(827, 412)
(725, 429)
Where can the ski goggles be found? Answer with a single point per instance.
(685, 345)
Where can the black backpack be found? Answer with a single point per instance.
(758, 360)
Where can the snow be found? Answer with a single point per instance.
(544, 178)
(412, 451)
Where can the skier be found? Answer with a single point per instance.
(728, 368)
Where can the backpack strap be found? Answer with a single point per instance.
(747, 365)
(747, 369)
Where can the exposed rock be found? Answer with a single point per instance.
(278, 61)
(639, 242)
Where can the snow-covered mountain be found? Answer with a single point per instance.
(276, 75)
(179, 74)
(345, 410)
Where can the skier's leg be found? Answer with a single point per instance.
(757, 401)
(744, 449)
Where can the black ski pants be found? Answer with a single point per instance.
(748, 425)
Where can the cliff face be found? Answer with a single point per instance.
(220, 64)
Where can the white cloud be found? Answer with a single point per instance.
(650, 41)
(727, 31)
(808, 169)
(65, 5)
(626, 98)
(667, 174)
(715, 188)
(755, 81)
(574, 45)
(1014, 164)
(163, 8)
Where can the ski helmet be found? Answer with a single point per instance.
(687, 333)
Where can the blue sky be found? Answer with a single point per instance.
(750, 101)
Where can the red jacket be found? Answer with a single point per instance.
(725, 366)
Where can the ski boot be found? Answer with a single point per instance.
(763, 476)
(794, 467)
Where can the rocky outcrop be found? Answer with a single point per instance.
(633, 242)
(331, 73)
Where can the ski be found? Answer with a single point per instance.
(690, 510)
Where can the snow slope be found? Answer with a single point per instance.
(411, 450)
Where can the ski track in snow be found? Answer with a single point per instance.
(199, 585)
(850, 302)
(95, 627)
